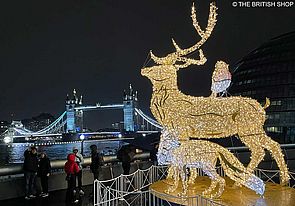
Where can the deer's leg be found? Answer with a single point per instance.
(212, 186)
(170, 172)
(212, 174)
(257, 151)
(277, 154)
(215, 179)
(193, 175)
(176, 180)
(221, 182)
(183, 175)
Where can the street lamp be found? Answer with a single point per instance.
(82, 137)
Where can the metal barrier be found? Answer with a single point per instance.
(118, 190)
(59, 164)
(129, 190)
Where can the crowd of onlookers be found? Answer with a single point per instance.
(38, 166)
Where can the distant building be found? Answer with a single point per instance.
(269, 71)
(39, 122)
(130, 103)
(118, 126)
(74, 117)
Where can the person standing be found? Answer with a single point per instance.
(96, 161)
(124, 156)
(44, 170)
(79, 160)
(153, 154)
(71, 169)
(30, 170)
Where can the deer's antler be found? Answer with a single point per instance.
(204, 34)
(189, 61)
(177, 56)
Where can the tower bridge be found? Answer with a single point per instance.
(71, 120)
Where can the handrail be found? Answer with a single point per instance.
(59, 164)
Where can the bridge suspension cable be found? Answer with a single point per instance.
(58, 125)
(53, 127)
(148, 119)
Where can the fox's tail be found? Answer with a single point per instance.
(236, 171)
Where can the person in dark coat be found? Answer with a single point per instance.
(96, 161)
(71, 169)
(44, 172)
(30, 170)
(125, 157)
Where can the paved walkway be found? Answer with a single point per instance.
(56, 198)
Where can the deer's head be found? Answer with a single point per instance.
(178, 59)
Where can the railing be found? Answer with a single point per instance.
(118, 190)
(59, 164)
(133, 189)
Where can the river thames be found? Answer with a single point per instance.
(14, 153)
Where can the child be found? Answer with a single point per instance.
(44, 172)
(71, 169)
(221, 78)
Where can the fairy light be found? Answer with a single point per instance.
(204, 154)
(221, 78)
(177, 56)
(208, 117)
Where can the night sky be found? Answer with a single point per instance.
(98, 47)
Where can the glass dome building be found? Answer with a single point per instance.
(269, 71)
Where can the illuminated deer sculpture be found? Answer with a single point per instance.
(208, 117)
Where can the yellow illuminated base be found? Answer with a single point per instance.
(274, 195)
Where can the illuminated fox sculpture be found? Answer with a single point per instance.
(204, 154)
(208, 117)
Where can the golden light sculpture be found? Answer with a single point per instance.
(204, 154)
(208, 117)
(221, 78)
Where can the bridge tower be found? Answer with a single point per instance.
(74, 117)
(130, 103)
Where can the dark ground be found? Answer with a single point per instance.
(56, 198)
